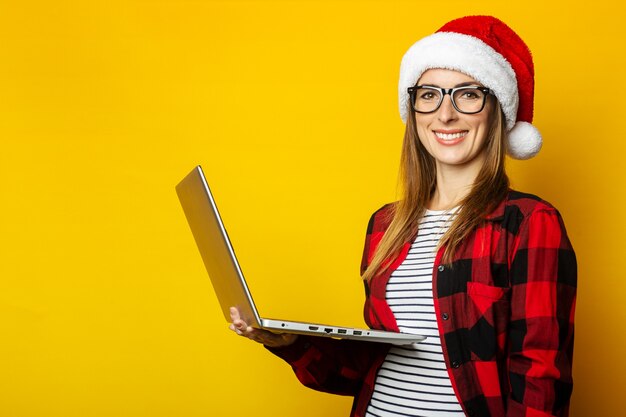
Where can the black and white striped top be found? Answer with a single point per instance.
(413, 380)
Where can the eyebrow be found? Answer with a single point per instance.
(465, 84)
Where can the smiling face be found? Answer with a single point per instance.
(453, 139)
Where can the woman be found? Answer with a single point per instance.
(486, 272)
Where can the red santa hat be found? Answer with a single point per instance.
(489, 51)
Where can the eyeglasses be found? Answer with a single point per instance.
(467, 100)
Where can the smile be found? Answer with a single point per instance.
(450, 136)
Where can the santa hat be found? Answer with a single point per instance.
(487, 50)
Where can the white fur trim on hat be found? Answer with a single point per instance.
(465, 54)
(524, 141)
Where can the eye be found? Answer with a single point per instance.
(428, 94)
(470, 95)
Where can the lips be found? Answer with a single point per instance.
(450, 137)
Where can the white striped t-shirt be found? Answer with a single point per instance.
(413, 380)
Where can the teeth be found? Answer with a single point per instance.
(450, 136)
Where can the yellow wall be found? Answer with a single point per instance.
(105, 308)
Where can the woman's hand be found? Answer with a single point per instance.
(261, 336)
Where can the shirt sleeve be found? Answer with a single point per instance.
(541, 331)
(330, 365)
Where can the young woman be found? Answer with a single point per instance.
(487, 273)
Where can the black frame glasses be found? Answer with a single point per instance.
(447, 91)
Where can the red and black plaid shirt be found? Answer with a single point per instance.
(505, 311)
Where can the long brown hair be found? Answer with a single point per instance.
(418, 179)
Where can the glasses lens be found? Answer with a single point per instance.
(469, 100)
(426, 99)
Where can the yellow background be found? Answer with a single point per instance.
(105, 307)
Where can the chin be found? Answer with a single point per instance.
(458, 158)
(454, 159)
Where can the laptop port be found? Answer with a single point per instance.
(313, 327)
(328, 329)
(357, 332)
(342, 331)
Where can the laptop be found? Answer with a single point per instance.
(227, 277)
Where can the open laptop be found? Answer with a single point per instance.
(228, 280)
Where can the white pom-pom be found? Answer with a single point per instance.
(524, 141)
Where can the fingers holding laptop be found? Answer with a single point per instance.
(270, 339)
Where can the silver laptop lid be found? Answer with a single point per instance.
(217, 252)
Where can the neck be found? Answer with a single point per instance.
(453, 184)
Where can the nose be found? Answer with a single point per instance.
(446, 111)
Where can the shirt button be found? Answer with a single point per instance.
(445, 316)
(455, 364)
(441, 268)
